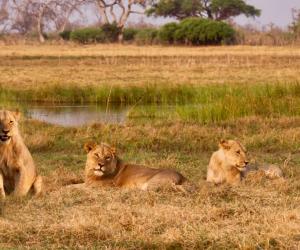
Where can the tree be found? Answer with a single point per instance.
(3, 14)
(34, 15)
(64, 11)
(295, 25)
(212, 9)
(38, 16)
(118, 12)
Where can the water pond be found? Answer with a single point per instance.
(70, 115)
(76, 115)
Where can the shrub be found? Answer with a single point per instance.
(129, 34)
(111, 32)
(146, 36)
(166, 33)
(186, 30)
(88, 35)
(65, 35)
(204, 32)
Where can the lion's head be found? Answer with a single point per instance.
(8, 125)
(235, 154)
(101, 159)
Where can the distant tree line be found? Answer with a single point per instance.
(40, 16)
(198, 21)
(189, 31)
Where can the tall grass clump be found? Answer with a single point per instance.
(221, 103)
(241, 101)
(147, 94)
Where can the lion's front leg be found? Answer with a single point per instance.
(22, 183)
(233, 177)
(2, 191)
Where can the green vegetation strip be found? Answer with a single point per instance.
(206, 103)
(215, 104)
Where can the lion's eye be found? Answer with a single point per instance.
(238, 152)
(107, 158)
(11, 122)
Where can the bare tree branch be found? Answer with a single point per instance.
(110, 14)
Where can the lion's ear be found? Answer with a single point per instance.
(17, 114)
(89, 146)
(224, 144)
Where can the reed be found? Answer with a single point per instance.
(221, 103)
(252, 95)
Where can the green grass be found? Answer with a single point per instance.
(148, 94)
(204, 103)
(220, 103)
(249, 95)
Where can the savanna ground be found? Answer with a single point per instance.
(246, 93)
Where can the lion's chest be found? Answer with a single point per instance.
(9, 169)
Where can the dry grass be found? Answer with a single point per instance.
(71, 49)
(258, 214)
(264, 216)
(69, 65)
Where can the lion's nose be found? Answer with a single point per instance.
(5, 131)
(100, 164)
(246, 162)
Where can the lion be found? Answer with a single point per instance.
(105, 168)
(18, 174)
(230, 165)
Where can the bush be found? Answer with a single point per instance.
(146, 36)
(88, 35)
(129, 34)
(204, 32)
(65, 35)
(111, 32)
(166, 33)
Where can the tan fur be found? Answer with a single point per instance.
(104, 168)
(227, 164)
(271, 171)
(18, 173)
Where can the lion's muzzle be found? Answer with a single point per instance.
(99, 170)
(5, 138)
(242, 166)
(5, 135)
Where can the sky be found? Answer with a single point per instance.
(273, 11)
